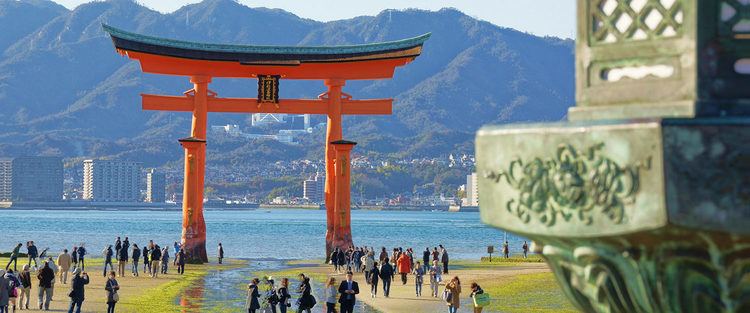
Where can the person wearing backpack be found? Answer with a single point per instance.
(13, 289)
(452, 295)
(479, 297)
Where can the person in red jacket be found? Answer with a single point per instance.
(404, 266)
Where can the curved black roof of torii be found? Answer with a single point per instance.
(258, 54)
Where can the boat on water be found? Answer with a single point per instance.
(229, 204)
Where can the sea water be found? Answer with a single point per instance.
(255, 234)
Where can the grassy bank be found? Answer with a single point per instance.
(167, 293)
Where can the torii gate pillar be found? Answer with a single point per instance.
(342, 236)
(333, 133)
(193, 224)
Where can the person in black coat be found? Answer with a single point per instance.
(374, 277)
(77, 292)
(426, 259)
(252, 304)
(341, 260)
(386, 274)
(136, 258)
(306, 300)
(349, 289)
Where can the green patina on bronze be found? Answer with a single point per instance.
(641, 203)
(574, 183)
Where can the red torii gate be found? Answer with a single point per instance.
(201, 62)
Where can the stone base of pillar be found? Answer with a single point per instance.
(195, 251)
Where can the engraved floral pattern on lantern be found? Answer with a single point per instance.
(633, 20)
(573, 184)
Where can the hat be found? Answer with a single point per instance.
(76, 271)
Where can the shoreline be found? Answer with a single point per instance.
(144, 206)
(514, 287)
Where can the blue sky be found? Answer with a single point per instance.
(540, 17)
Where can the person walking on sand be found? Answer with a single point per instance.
(418, 278)
(107, 253)
(434, 278)
(14, 257)
(284, 296)
(329, 293)
(374, 277)
(369, 264)
(444, 259)
(426, 259)
(221, 253)
(55, 270)
(13, 290)
(476, 290)
(122, 258)
(252, 303)
(33, 253)
(146, 263)
(74, 256)
(404, 267)
(525, 250)
(386, 275)
(176, 250)
(118, 246)
(64, 261)
(341, 260)
(452, 295)
(164, 260)
(81, 255)
(383, 255)
(136, 256)
(77, 292)
(112, 287)
(155, 258)
(25, 278)
(306, 301)
(271, 298)
(335, 260)
(46, 276)
(349, 289)
(179, 259)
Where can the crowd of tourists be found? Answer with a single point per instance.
(379, 269)
(15, 285)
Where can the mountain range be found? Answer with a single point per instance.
(64, 91)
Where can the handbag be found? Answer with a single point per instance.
(447, 295)
(481, 300)
(115, 297)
